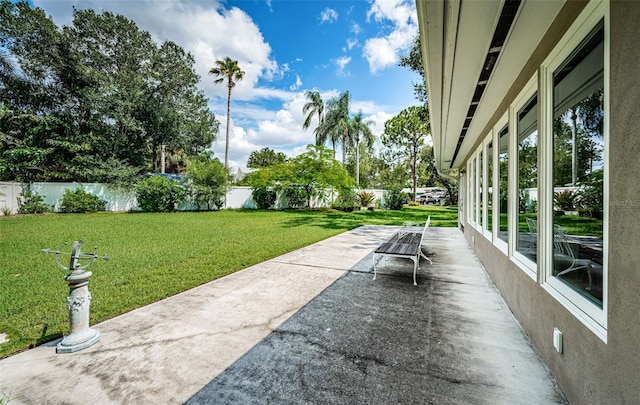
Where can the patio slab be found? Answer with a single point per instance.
(310, 326)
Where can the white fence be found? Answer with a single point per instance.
(237, 197)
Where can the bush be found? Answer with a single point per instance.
(30, 202)
(366, 198)
(264, 197)
(566, 200)
(79, 201)
(413, 204)
(159, 194)
(294, 196)
(346, 201)
(394, 198)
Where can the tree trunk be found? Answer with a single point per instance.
(574, 147)
(357, 162)
(226, 147)
(344, 148)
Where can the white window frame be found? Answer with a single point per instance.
(502, 122)
(592, 316)
(479, 163)
(524, 263)
(470, 191)
(488, 139)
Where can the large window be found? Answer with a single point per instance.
(489, 181)
(527, 180)
(578, 167)
(503, 183)
(480, 196)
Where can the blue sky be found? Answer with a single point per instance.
(286, 47)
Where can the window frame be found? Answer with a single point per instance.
(500, 125)
(524, 263)
(488, 140)
(592, 316)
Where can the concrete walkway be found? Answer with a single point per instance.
(307, 327)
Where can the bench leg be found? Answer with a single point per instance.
(374, 266)
(415, 267)
(423, 255)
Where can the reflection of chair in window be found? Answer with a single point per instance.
(533, 226)
(564, 258)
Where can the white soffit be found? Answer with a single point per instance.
(530, 25)
(455, 38)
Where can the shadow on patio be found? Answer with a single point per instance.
(450, 340)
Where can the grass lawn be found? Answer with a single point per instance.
(153, 256)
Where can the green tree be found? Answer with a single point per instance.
(314, 172)
(265, 157)
(228, 69)
(314, 106)
(413, 61)
(406, 133)
(357, 128)
(210, 180)
(335, 126)
(94, 99)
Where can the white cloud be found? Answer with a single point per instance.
(355, 28)
(328, 15)
(342, 63)
(297, 84)
(383, 51)
(351, 42)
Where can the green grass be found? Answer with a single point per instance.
(153, 256)
(572, 224)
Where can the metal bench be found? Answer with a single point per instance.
(405, 245)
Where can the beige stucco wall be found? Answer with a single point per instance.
(590, 371)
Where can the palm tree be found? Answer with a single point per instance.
(359, 127)
(315, 105)
(229, 69)
(336, 122)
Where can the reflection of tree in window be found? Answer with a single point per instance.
(527, 130)
(578, 166)
(489, 186)
(503, 179)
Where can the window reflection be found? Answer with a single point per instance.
(503, 185)
(527, 127)
(489, 181)
(578, 167)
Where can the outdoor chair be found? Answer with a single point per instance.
(564, 257)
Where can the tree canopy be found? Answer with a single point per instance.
(314, 172)
(265, 157)
(95, 100)
(406, 134)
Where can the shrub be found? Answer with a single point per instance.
(30, 202)
(413, 204)
(566, 200)
(366, 198)
(346, 201)
(6, 211)
(159, 194)
(264, 197)
(294, 196)
(79, 201)
(394, 198)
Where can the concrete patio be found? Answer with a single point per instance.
(310, 326)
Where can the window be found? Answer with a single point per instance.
(480, 179)
(578, 167)
(503, 183)
(489, 181)
(574, 169)
(527, 180)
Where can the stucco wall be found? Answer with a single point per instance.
(590, 371)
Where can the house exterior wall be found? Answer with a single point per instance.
(590, 370)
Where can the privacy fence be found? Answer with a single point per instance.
(117, 200)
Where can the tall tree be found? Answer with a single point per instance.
(265, 157)
(314, 106)
(336, 122)
(406, 133)
(413, 61)
(93, 99)
(227, 68)
(359, 127)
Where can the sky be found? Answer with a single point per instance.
(285, 47)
